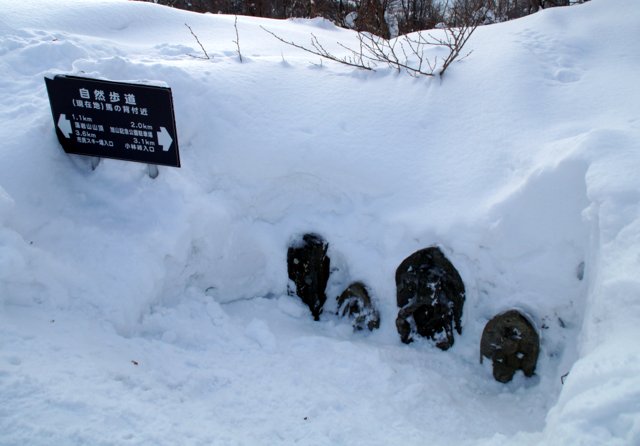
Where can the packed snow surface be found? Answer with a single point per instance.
(139, 311)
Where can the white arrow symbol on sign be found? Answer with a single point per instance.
(164, 139)
(64, 125)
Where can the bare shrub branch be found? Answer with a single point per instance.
(454, 41)
(206, 56)
(384, 51)
(237, 41)
(319, 50)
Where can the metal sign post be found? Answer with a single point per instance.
(106, 119)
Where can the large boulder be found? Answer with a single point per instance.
(308, 268)
(430, 294)
(512, 343)
(356, 304)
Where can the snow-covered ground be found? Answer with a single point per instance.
(136, 311)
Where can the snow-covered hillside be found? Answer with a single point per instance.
(136, 311)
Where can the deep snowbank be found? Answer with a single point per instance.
(139, 311)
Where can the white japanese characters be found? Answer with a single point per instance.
(87, 132)
(111, 101)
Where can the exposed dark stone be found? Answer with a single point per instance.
(430, 295)
(512, 343)
(355, 303)
(308, 268)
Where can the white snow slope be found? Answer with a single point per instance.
(136, 311)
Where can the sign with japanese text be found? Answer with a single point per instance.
(107, 119)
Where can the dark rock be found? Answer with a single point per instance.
(430, 295)
(355, 303)
(512, 343)
(308, 268)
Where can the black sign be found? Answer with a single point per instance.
(119, 120)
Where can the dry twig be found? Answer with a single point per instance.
(197, 40)
(237, 41)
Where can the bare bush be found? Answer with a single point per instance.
(407, 53)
